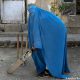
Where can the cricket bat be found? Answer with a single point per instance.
(19, 62)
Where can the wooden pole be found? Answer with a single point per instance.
(22, 44)
(17, 45)
(26, 42)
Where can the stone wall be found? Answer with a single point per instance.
(74, 24)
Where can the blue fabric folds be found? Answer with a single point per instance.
(48, 33)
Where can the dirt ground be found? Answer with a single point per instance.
(28, 72)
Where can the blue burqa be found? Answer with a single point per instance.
(47, 33)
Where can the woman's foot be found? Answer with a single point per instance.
(48, 73)
(66, 72)
(45, 73)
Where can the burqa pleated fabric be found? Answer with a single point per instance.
(47, 33)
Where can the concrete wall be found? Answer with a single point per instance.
(13, 27)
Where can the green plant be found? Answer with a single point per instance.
(66, 7)
(53, 8)
(61, 7)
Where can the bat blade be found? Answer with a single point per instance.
(15, 66)
(19, 62)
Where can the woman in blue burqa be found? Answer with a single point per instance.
(47, 39)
